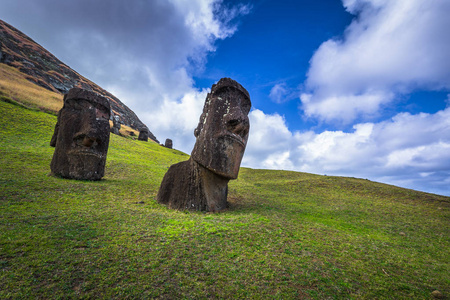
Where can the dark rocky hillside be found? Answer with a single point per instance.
(44, 69)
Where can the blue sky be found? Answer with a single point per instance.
(350, 88)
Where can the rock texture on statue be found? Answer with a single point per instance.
(168, 144)
(201, 183)
(81, 136)
(143, 135)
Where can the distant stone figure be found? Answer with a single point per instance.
(168, 144)
(201, 183)
(116, 122)
(143, 135)
(81, 136)
(116, 125)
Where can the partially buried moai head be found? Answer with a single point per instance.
(168, 143)
(143, 135)
(81, 136)
(223, 129)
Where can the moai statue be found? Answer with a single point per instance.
(81, 136)
(168, 144)
(201, 183)
(116, 125)
(143, 135)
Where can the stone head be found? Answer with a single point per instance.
(143, 135)
(81, 136)
(168, 143)
(222, 132)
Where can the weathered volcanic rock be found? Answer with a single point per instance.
(222, 132)
(190, 186)
(201, 183)
(168, 143)
(143, 135)
(81, 136)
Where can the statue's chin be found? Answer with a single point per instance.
(224, 156)
(86, 165)
(87, 153)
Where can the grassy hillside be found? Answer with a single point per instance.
(287, 235)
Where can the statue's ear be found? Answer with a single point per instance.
(55, 136)
(55, 133)
(200, 125)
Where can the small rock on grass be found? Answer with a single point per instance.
(437, 295)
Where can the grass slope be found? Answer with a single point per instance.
(287, 235)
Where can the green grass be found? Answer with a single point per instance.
(287, 235)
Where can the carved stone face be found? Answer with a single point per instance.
(222, 133)
(143, 135)
(81, 136)
(168, 143)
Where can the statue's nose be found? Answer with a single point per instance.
(86, 140)
(237, 122)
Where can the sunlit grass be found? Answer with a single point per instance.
(287, 235)
(14, 85)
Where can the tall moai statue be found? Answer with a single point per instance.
(201, 183)
(81, 136)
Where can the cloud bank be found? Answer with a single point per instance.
(390, 48)
(408, 150)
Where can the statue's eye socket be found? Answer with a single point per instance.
(102, 108)
(73, 104)
(79, 104)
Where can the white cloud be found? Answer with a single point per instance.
(281, 93)
(269, 142)
(391, 48)
(265, 128)
(344, 107)
(278, 93)
(395, 151)
(178, 119)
